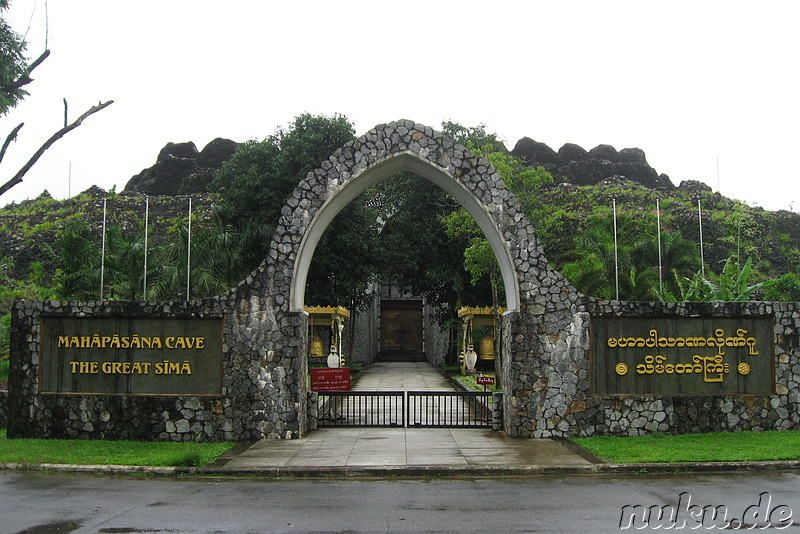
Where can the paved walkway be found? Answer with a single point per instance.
(402, 447)
(402, 376)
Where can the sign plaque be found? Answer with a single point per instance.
(330, 379)
(485, 380)
(131, 356)
(682, 356)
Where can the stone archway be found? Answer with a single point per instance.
(531, 286)
(431, 169)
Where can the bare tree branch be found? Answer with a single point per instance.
(11, 137)
(25, 78)
(55, 137)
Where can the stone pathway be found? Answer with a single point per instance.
(402, 376)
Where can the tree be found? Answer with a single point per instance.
(255, 184)
(78, 272)
(15, 74)
(14, 68)
(256, 181)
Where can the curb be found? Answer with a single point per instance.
(412, 471)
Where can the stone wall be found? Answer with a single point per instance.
(258, 388)
(551, 393)
(435, 337)
(365, 325)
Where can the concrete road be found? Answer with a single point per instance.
(56, 503)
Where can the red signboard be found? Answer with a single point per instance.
(485, 380)
(330, 379)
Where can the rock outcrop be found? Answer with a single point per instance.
(181, 169)
(574, 164)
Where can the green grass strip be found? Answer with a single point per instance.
(99, 452)
(711, 447)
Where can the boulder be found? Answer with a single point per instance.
(529, 150)
(178, 150)
(215, 153)
(571, 152)
(181, 170)
(604, 152)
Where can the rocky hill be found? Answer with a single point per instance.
(586, 180)
(181, 169)
(574, 164)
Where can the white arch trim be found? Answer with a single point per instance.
(373, 175)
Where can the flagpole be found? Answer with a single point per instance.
(103, 251)
(616, 254)
(189, 250)
(146, 225)
(660, 266)
(702, 258)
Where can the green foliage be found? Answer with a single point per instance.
(479, 259)
(732, 285)
(34, 287)
(411, 209)
(742, 230)
(168, 280)
(78, 274)
(523, 181)
(347, 258)
(254, 186)
(256, 181)
(13, 66)
(5, 339)
(4, 364)
(472, 136)
(786, 288)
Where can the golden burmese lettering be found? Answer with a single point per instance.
(713, 368)
(718, 340)
(135, 341)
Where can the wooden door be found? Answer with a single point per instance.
(401, 326)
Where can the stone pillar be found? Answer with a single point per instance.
(497, 410)
(312, 410)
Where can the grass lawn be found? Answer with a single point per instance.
(97, 452)
(711, 447)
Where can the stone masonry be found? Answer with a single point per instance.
(545, 335)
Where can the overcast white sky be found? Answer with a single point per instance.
(690, 83)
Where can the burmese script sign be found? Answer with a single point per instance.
(330, 379)
(131, 356)
(682, 356)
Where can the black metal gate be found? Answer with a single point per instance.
(436, 409)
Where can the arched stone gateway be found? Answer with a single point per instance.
(531, 286)
(561, 377)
